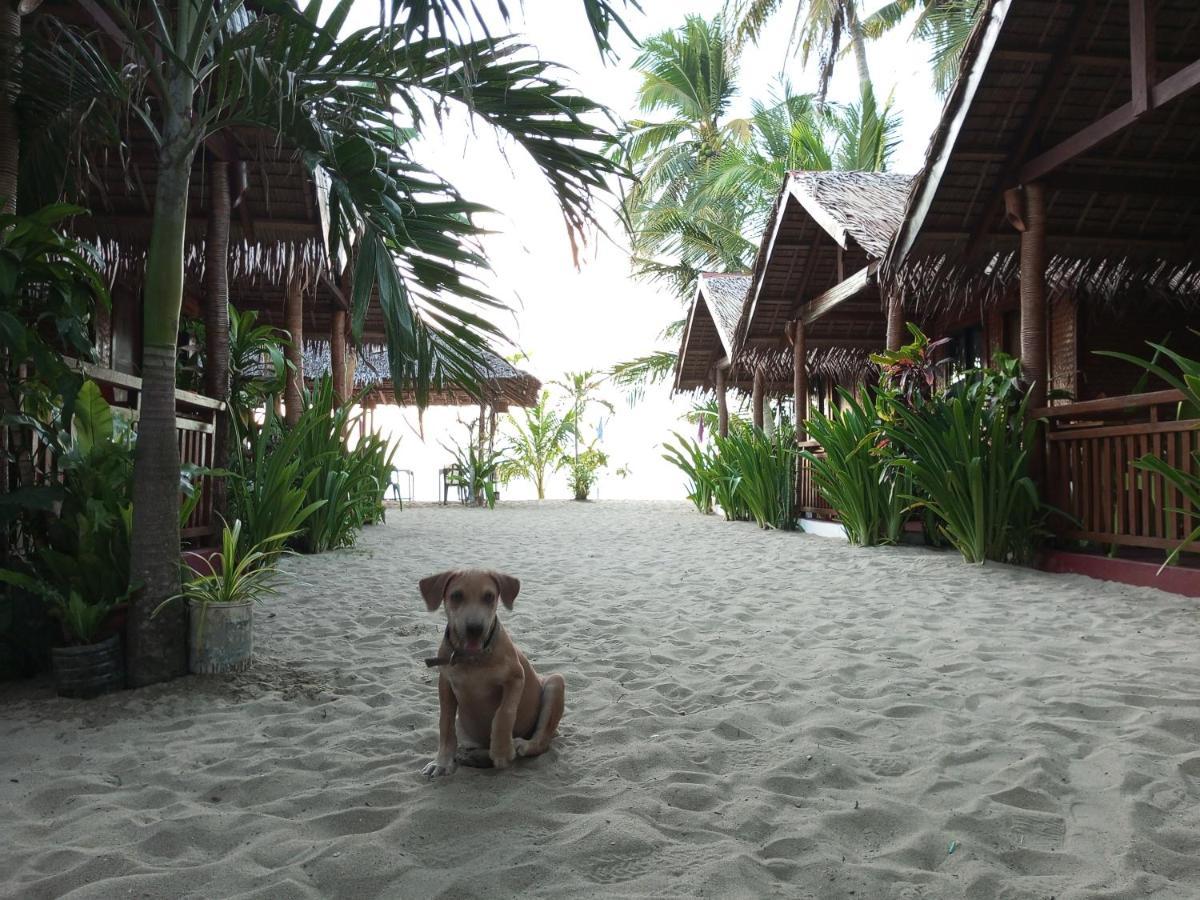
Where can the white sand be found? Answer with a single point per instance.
(748, 714)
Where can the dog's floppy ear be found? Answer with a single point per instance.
(433, 588)
(509, 587)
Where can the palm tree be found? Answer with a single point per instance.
(818, 26)
(538, 443)
(945, 24)
(187, 70)
(582, 388)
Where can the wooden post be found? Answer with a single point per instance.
(800, 378)
(294, 318)
(337, 354)
(1033, 294)
(895, 321)
(722, 404)
(756, 398)
(216, 324)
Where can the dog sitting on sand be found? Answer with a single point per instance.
(502, 707)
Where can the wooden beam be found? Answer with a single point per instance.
(1170, 88)
(800, 379)
(756, 398)
(722, 404)
(895, 321)
(337, 353)
(1033, 294)
(294, 317)
(1141, 53)
(844, 290)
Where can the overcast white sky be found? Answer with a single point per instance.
(569, 319)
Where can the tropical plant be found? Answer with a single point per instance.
(583, 470)
(851, 473)
(238, 573)
(583, 391)
(968, 459)
(946, 25)
(760, 471)
(696, 464)
(910, 374)
(211, 67)
(537, 444)
(477, 469)
(257, 367)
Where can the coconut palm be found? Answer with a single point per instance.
(183, 71)
(583, 391)
(537, 445)
(945, 24)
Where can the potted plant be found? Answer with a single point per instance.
(220, 602)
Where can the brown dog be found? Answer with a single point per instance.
(503, 708)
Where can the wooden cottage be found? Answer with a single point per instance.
(706, 352)
(1057, 215)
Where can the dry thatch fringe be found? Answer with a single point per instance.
(250, 262)
(840, 364)
(935, 285)
(498, 378)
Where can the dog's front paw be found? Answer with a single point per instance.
(502, 757)
(438, 769)
(521, 746)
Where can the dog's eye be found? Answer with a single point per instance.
(456, 597)
(489, 598)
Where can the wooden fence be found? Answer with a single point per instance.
(195, 431)
(1090, 475)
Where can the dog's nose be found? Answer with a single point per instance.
(474, 629)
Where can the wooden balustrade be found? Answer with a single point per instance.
(809, 502)
(1091, 448)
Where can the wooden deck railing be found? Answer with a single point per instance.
(809, 502)
(1090, 476)
(195, 431)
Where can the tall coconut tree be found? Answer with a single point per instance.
(946, 25)
(350, 103)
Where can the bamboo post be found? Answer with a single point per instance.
(337, 354)
(1033, 294)
(800, 379)
(722, 404)
(294, 318)
(756, 398)
(895, 321)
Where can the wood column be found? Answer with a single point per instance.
(1033, 294)
(10, 68)
(337, 354)
(895, 321)
(800, 378)
(351, 366)
(757, 397)
(722, 403)
(294, 319)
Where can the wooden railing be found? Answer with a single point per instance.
(1089, 473)
(195, 432)
(809, 502)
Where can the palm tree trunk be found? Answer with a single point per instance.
(858, 43)
(10, 146)
(216, 321)
(156, 645)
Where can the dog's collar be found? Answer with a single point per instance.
(456, 656)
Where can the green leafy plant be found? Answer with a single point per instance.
(539, 439)
(477, 470)
(237, 574)
(968, 459)
(257, 367)
(853, 476)
(910, 373)
(760, 474)
(583, 470)
(696, 465)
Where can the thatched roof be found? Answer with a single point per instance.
(712, 321)
(503, 384)
(1122, 215)
(827, 229)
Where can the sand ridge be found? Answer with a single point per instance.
(749, 714)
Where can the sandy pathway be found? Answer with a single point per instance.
(748, 714)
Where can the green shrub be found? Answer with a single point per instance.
(968, 457)
(696, 465)
(854, 476)
(583, 471)
(760, 474)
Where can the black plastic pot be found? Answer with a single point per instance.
(89, 671)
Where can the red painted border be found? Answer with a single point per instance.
(1176, 579)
